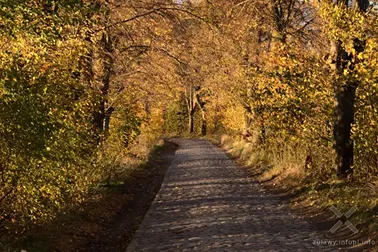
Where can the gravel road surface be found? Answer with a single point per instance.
(209, 203)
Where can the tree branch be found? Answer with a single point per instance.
(147, 13)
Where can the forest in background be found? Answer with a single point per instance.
(88, 87)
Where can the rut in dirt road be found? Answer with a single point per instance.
(209, 203)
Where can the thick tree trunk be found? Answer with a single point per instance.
(345, 96)
(344, 118)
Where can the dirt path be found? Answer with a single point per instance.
(209, 203)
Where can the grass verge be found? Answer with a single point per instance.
(108, 218)
(311, 196)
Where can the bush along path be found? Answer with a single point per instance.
(142, 188)
(209, 203)
(106, 222)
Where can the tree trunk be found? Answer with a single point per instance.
(103, 114)
(100, 116)
(191, 105)
(201, 104)
(108, 68)
(248, 114)
(345, 96)
(344, 118)
(108, 113)
(191, 122)
(262, 131)
(203, 123)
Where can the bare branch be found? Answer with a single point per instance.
(151, 12)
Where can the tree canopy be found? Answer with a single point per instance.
(87, 86)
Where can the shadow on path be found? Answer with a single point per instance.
(209, 203)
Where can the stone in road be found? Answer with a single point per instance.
(209, 203)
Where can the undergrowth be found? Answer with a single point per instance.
(286, 169)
